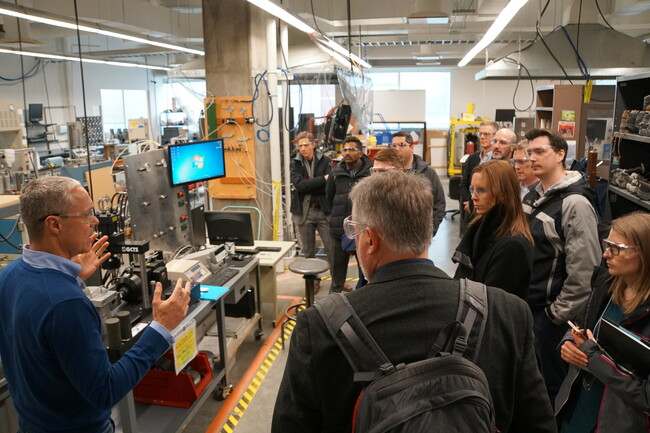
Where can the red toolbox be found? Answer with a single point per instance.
(165, 388)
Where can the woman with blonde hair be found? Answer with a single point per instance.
(497, 248)
(599, 394)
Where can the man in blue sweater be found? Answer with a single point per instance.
(50, 334)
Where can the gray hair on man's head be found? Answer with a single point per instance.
(398, 205)
(46, 195)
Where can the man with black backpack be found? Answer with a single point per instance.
(404, 308)
(564, 225)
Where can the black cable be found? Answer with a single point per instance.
(530, 80)
(22, 65)
(541, 38)
(13, 230)
(259, 79)
(350, 33)
(9, 242)
(29, 74)
(313, 16)
(537, 35)
(47, 93)
(83, 99)
(581, 63)
(603, 16)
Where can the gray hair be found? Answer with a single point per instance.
(45, 196)
(305, 134)
(491, 123)
(399, 205)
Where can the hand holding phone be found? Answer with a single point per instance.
(578, 331)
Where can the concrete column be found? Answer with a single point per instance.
(234, 35)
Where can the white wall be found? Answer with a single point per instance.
(488, 95)
(64, 86)
(35, 87)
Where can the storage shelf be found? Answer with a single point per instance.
(630, 136)
(629, 196)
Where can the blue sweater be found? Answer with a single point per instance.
(52, 352)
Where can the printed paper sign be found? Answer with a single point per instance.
(566, 129)
(185, 348)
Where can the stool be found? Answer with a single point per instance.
(310, 269)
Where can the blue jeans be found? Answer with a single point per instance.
(108, 427)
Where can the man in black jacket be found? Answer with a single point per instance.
(403, 143)
(405, 305)
(354, 167)
(309, 208)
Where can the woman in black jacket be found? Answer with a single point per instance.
(599, 394)
(497, 248)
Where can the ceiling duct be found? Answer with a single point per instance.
(10, 34)
(429, 12)
(606, 53)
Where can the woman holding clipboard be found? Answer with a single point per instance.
(599, 394)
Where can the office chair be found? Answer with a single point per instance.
(454, 194)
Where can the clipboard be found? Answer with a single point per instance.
(624, 347)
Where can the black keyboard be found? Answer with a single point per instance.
(220, 277)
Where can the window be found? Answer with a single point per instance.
(436, 84)
(118, 106)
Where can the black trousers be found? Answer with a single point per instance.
(339, 263)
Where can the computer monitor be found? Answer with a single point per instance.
(35, 112)
(225, 226)
(196, 162)
(504, 115)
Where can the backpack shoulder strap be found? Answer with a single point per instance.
(472, 313)
(463, 336)
(363, 353)
(475, 299)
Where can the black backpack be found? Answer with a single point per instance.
(445, 392)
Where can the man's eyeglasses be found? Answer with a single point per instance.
(351, 149)
(382, 169)
(400, 144)
(515, 162)
(615, 249)
(537, 151)
(500, 141)
(352, 228)
(477, 190)
(87, 215)
(485, 134)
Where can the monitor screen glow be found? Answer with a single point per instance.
(196, 162)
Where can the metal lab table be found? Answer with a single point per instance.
(146, 418)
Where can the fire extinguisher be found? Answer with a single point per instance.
(469, 147)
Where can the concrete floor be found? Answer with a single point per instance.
(257, 416)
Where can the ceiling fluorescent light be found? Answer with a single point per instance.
(495, 29)
(296, 22)
(339, 49)
(67, 23)
(345, 62)
(427, 57)
(427, 20)
(283, 14)
(427, 63)
(85, 60)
